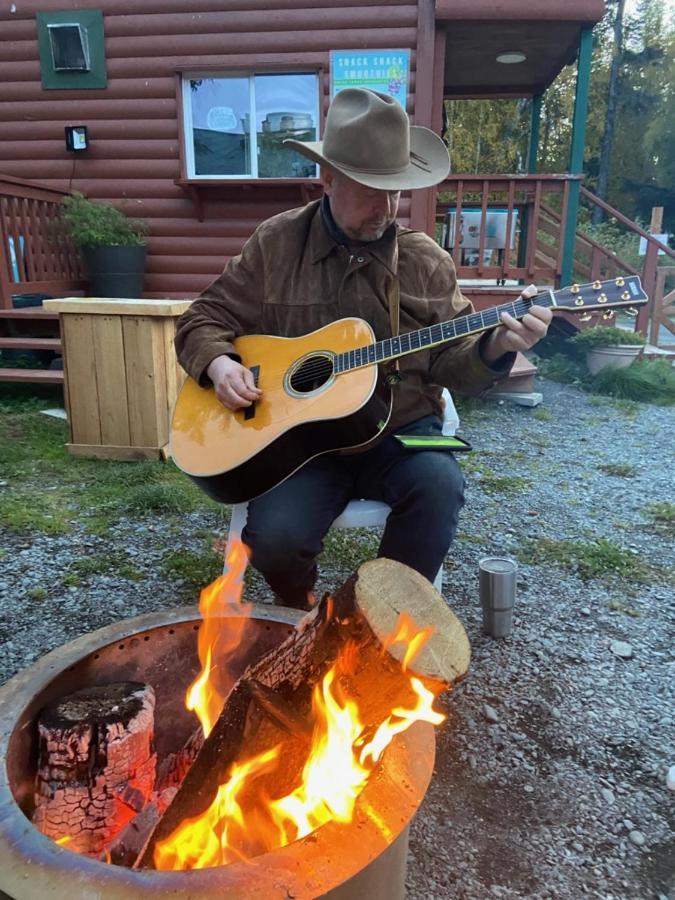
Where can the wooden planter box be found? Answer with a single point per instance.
(121, 375)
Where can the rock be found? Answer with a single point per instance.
(490, 713)
(670, 779)
(608, 795)
(622, 649)
(637, 838)
(585, 611)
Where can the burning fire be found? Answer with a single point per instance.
(342, 754)
(206, 695)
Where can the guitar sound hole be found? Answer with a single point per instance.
(312, 374)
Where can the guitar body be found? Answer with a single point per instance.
(305, 411)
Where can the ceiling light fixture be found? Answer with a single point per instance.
(511, 57)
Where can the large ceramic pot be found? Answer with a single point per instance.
(115, 271)
(612, 357)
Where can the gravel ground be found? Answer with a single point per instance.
(550, 775)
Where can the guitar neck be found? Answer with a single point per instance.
(436, 335)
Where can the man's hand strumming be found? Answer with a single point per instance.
(513, 335)
(233, 382)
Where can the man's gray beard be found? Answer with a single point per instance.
(374, 236)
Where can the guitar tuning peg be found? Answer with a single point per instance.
(608, 315)
(586, 317)
(632, 312)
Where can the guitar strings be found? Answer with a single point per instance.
(313, 369)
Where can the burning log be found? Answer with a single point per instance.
(270, 704)
(126, 848)
(96, 764)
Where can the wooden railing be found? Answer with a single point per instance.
(663, 308)
(35, 255)
(653, 314)
(495, 225)
(500, 227)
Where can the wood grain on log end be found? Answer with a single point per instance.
(384, 589)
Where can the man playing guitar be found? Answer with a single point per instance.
(345, 256)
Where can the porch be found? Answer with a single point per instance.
(503, 231)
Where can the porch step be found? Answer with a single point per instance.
(37, 376)
(29, 343)
(520, 379)
(29, 312)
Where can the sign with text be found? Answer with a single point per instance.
(386, 71)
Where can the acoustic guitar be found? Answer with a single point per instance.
(324, 392)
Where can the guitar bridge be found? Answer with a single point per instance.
(249, 411)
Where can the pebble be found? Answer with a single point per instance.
(637, 838)
(622, 649)
(607, 795)
(670, 779)
(490, 713)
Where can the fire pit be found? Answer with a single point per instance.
(365, 858)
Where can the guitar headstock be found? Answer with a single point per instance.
(596, 296)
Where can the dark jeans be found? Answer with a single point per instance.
(425, 489)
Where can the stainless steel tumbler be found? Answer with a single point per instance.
(497, 587)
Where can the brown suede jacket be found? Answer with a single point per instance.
(292, 278)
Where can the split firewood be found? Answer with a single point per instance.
(126, 848)
(174, 767)
(96, 764)
(273, 696)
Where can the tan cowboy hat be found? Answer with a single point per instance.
(369, 138)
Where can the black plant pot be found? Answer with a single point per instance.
(115, 271)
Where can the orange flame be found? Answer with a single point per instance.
(406, 632)
(206, 840)
(340, 760)
(220, 636)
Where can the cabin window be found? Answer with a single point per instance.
(72, 49)
(235, 125)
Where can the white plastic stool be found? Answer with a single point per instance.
(357, 513)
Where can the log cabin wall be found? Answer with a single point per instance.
(133, 159)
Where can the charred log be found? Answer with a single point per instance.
(96, 764)
(126, 848)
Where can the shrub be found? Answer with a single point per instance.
(91, 224)
(607, 337)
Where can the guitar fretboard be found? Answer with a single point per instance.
(433, 335)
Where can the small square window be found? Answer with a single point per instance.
(70, 47)
(235, 125)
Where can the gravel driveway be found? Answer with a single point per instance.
(551, 769)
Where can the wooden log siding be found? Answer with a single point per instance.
(134, 154)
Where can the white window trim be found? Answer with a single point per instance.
(188, 128)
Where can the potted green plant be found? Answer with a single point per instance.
(112, 246)
(607, 347)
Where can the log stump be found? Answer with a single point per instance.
(96, 764)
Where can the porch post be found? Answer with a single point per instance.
(577, 151)
(423, 202)
(532, 153)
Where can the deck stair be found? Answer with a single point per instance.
(29, 330)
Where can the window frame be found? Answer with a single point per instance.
(186, 129)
